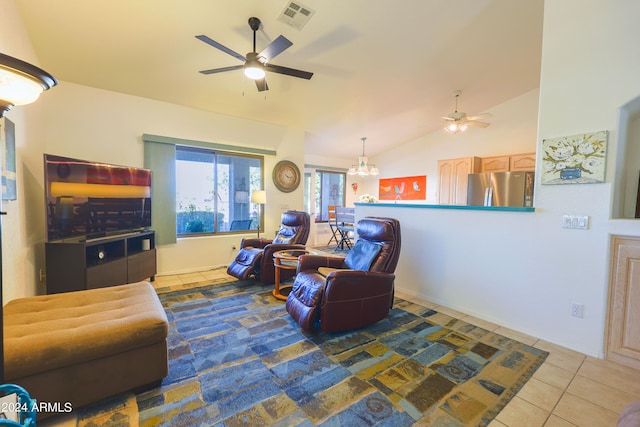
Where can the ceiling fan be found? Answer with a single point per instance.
(458, 120)
(255, 64)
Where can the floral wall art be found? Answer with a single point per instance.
(575, 159)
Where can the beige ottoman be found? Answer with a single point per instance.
(81, 347)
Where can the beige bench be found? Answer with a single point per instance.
(81, 347)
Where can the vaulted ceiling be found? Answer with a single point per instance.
(382, 69)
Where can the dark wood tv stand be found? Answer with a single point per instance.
(101, 262)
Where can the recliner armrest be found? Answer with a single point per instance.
(313, 262)
(255, 243)
(347, 285)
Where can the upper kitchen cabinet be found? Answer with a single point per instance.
(522, 162)
(512, 163)
(494, 164)
(453, 177)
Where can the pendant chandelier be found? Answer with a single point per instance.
(363, 168)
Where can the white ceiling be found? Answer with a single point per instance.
(382, 69)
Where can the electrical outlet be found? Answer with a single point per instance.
(577, 310)
(42, 275)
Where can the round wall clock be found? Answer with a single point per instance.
(286, 176)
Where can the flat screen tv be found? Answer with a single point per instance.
(88, 200)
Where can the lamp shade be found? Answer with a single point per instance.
(259, 196)
(21, 83)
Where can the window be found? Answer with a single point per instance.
(329, 191)
(213, 191)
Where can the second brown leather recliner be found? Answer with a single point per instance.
(255, 257)
(353, 292)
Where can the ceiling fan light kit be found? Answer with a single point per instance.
(458, 121)
(253, 68)
(257, 64)
(363, 168)
(456, 127)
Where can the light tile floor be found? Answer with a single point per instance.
(569, 389)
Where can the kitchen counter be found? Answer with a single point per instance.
(458, 207)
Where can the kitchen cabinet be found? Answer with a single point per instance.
(495, 164)
(453, 177)
(522, 162)
(622, 342)
(513, 163)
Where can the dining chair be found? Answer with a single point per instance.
(333, 225)
(345, 218)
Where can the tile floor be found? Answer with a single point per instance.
(569, 389)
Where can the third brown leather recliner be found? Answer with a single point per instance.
(352, 292)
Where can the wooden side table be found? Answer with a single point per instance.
(285, 260)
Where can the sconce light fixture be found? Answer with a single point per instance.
(21, 83)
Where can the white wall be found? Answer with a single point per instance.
(523, 270)
(105, 126)
(92, 124)
(21, 248)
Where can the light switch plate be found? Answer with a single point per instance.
(580, 222)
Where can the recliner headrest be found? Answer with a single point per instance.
(372, 229)
(293, 218)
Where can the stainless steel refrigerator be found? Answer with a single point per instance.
(500, 189)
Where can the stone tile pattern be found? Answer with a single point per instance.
(237, 358)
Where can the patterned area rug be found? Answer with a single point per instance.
(237, 358)
(119, 411)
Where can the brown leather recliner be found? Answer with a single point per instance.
(352, 292)
(256, 255)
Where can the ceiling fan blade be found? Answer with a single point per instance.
(477, 124)
(288, 71)
(448, 118)
(276, 47)
(223, 69)
(225, 49)
(262, 85)
(479, 116)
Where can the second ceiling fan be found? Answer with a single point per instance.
(255, 64)
(458, 120)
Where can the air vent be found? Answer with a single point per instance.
(296, 15)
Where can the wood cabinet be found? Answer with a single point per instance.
(452, 179)
(97, 263)
(622, 343)
(513, 163)
(522, 162)
(494, 164)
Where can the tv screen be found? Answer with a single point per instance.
(87, 200)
